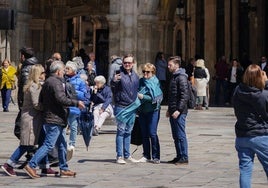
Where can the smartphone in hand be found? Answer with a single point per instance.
(117, 72)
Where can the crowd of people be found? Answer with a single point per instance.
(52, 96)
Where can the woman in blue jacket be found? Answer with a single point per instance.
(81, 94)
(250, 102)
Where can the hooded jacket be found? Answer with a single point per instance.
(115, 65)
(251, 111)
(178, 92)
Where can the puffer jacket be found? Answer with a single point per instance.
(251, 111)
(178, 92)
(55, 101)
(81, 91)
(23, 76)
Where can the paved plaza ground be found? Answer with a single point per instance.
(213, 159)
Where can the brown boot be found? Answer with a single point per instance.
(31, 172)
(67, 173)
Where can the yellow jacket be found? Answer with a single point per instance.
(8, 77)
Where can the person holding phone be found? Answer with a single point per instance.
(124, 86)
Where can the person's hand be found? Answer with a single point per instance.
(167, 114)
(176, 114)
(117, 77)
(95, 89)
(101, 111)
(81, 105)
(140, 96)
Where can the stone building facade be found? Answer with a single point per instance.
(209, 28)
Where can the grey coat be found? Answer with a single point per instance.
(31, 117)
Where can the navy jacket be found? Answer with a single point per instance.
(125, 91)
(103, 95)
(251, 111)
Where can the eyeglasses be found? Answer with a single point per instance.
(147, 72)
(127, 62)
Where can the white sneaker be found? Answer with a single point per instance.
(143, 160)
(131, 159)
(70, 152)
(120, 160)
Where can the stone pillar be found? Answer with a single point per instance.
(227, 26)
(235, 29)
(210, 40)
(21, 36)
(147, 31)
(132, 28)
(210, 34)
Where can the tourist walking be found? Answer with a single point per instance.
(55, 120)
(7, 83)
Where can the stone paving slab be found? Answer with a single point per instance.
(213, 159)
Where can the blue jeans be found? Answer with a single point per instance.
(246, 148)
(14, 159)
(149, 122)
(123, 136)
(54, 136)
(179, 136)
(6, 96)
(73, 124)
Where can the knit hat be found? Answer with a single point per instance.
(71, 65)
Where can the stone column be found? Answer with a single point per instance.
(210, 39)
(131, 28)
(21, 36)
(210, 34)
(148, 33)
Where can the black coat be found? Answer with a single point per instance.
(54, 101)
(251, 111)
(178, 93)
(23, 76)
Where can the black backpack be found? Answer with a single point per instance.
(192, 96)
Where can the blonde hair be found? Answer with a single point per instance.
(34, 77)
(6, 60)
(149, 67)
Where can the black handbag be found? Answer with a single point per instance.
(136, 135)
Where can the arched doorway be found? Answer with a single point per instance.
(92, 34)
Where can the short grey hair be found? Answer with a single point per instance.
(56, 65)
(100, 79)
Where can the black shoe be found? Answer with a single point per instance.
(182, 161)
(5, 110)
(173, 161)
